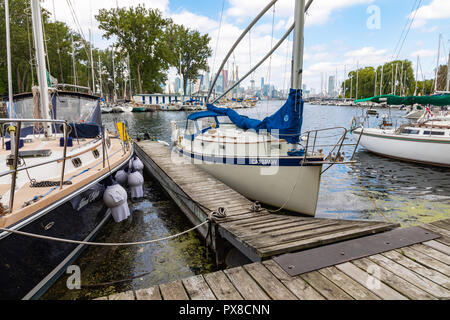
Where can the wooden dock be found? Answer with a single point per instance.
(417, 272)
(257, 235)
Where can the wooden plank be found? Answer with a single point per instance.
(221, 286)
(262, 239)
(198, 289)
(280, 225)
(295, 234)
(347, 284)
(381, 290)
(266, 280)
(246, 286)
(320, 239)
(299, 287)
(410, 276)
(128, 295)
(429, 251)
(421, 264)
(438, 246)
(151, 293)
(404, 287)
(101, 298)
(325, 287)
(441, 224)
(173, 291)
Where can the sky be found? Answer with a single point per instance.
(339, 34)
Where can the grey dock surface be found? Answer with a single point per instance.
(257, 235)
(417, 272)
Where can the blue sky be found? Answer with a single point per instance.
(336, 33)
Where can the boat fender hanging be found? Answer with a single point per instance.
(138, 165)
(136, 182)
(115, 198)
(121, 177)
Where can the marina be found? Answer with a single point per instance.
(140, 163)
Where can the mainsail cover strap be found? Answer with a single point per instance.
(286, 123)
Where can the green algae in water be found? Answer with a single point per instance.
(142, 266)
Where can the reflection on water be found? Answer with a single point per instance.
(407, 193)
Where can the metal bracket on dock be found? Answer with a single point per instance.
(330, 255)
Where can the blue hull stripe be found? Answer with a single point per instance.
(253, 161)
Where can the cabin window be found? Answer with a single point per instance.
(76, 162)
(410, 131)
(96, 153)
(434, 133)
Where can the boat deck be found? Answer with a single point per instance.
(417, 272)
(79, 178)
(257, 235)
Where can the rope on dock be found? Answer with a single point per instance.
(367, 193)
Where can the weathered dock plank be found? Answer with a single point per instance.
(173, 291)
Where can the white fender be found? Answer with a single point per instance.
(115, 198)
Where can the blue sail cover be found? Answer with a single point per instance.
(287, 120)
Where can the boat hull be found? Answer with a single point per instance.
(284, 184)
(292, 188)
(427, 151)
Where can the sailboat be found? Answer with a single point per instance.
(269, 161)
(426, 141)
(52, 179)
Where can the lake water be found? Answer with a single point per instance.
(406, 193)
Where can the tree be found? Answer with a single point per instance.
(190, 52)
(141, 33)
(398, 78)
(442, 78)
(58, 46)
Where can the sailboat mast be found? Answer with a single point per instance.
(437, 64)
(40, 57)
(357, 78)
(92, 63)
(8, 55)
(381, 79)
(345, 77)
(447, 87)
(298, 44)
(129, 76)
(375, 88)
(417, 75)
(114, 75)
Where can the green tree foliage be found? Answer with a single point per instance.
(58, 44)
(190, 52)
(398, 78)
(140, 32)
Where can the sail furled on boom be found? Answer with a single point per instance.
(287, 120)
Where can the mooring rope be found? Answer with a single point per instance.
(33, 235)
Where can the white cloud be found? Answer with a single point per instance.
(437, 9)
(85, 11)
(318, 14)
(423, 53)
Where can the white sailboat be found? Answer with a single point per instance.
(269, 161)
(426, 141)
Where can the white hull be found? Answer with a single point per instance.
(429, 150)
(293, 188)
